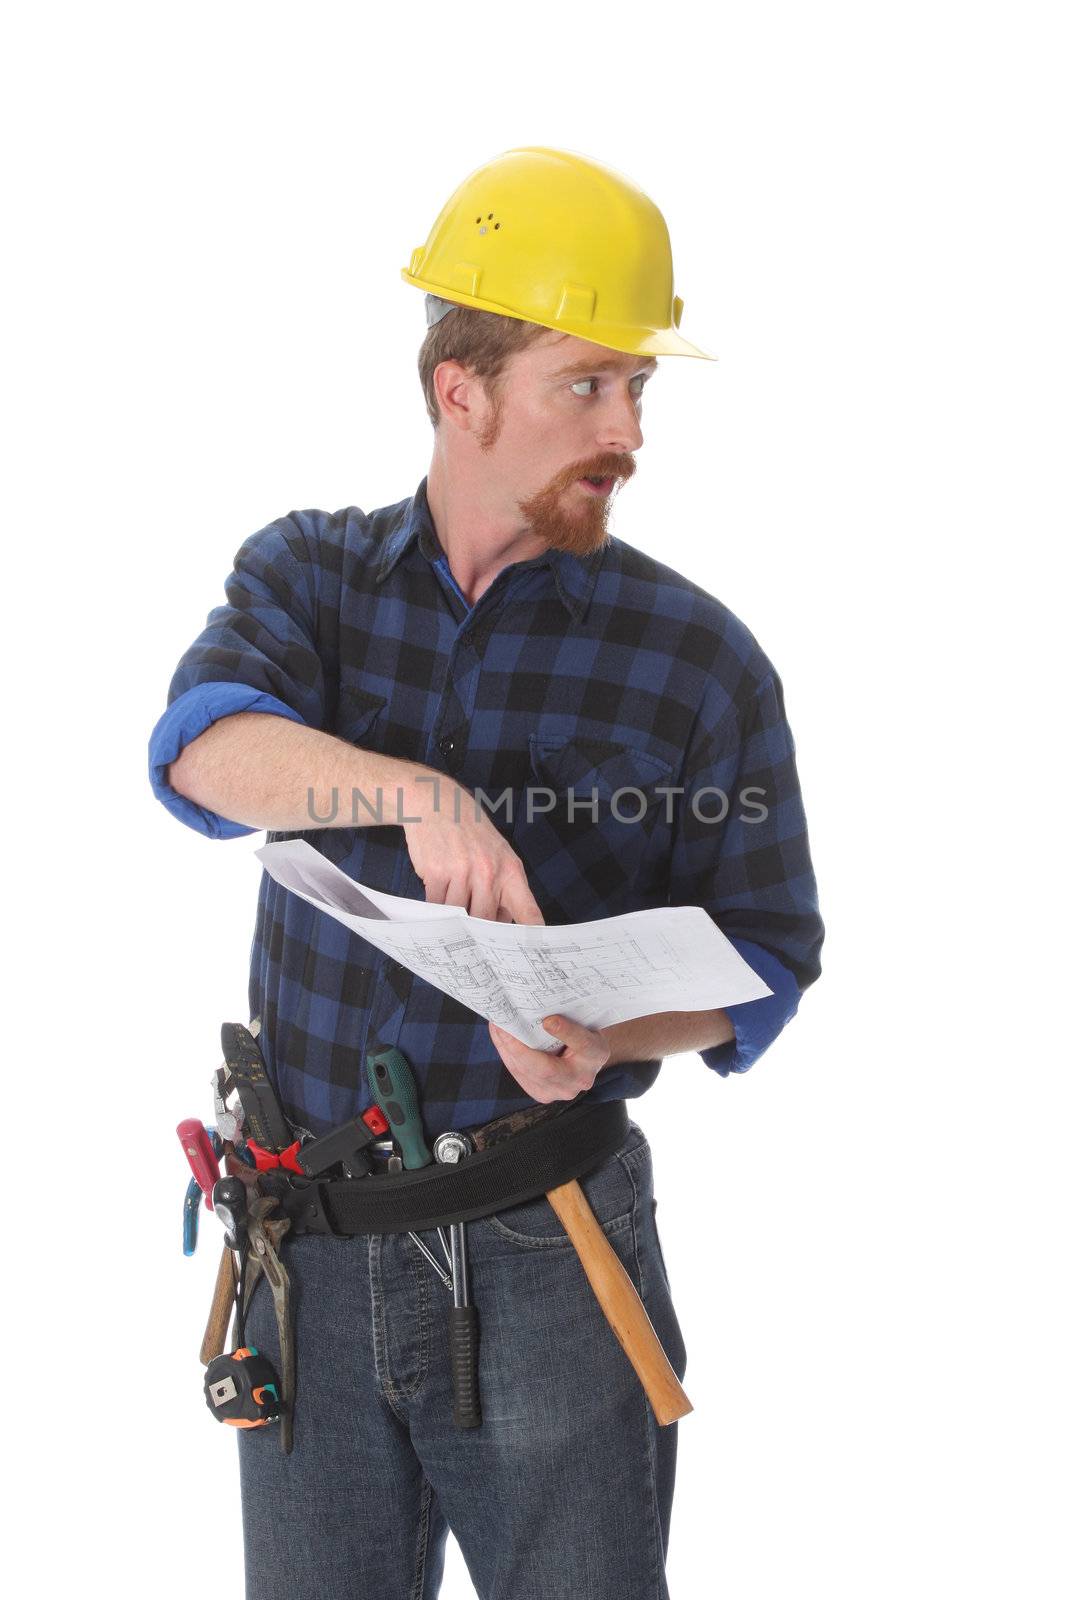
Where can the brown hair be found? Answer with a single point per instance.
(481, 341)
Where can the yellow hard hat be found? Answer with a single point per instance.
(550, 237)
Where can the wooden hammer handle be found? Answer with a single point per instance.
(214, 1341)
(620, 1303)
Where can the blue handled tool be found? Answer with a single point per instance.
(393, 1088)
(191, 1217)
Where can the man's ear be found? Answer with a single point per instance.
(460, 395)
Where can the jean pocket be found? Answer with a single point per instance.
(609, 1189)
(659, 1245)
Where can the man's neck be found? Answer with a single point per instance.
(478, 541)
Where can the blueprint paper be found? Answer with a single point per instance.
(672, 958)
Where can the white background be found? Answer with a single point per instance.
(208, 208)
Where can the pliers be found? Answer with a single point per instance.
(265, 1234)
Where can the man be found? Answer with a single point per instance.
(371, 681)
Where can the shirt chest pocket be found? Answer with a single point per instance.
(593, 822)
(609, 776)
(358, 717)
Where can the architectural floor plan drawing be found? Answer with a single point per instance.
(670, 959)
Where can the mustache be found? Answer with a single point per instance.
(622, 467)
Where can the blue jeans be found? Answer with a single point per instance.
(565, 1489)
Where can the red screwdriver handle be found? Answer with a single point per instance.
(200, 1154)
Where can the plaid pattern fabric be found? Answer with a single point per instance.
(608, 677)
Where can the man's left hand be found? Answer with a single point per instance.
(547, 1076)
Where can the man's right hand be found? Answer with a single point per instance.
(264, 771)
(462, 859)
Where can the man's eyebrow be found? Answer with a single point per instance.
(589, 369)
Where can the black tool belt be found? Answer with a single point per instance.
(520, 1168)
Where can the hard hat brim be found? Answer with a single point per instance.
(628, 341)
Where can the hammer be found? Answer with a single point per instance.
(608, 1279)
(620, 1303)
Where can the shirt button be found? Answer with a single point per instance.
(446, 746)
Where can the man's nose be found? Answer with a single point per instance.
(620, 428)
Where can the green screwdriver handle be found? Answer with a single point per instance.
(393, 1088)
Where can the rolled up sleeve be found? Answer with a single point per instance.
(741, 851)
(183, 721)
(256, 653)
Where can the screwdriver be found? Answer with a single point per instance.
(393, 1087)
(463, 1335)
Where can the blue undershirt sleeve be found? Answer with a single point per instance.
(182, 722)
(757, 1023)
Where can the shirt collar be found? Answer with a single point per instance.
(575, 575)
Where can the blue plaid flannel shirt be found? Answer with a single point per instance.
(580, 678)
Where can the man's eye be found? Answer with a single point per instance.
(639, 378)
